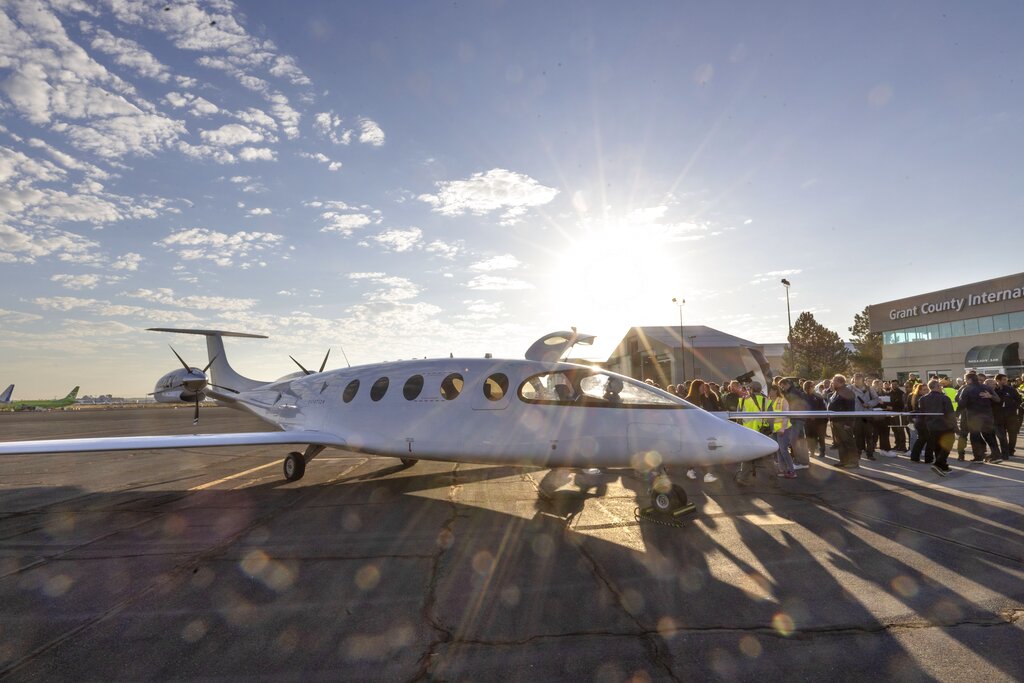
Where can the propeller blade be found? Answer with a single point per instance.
(180, 359)
(324, 364)
(209, 364)
(217, 386)
(195, 418)
(304, 370)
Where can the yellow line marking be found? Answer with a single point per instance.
(210, 484)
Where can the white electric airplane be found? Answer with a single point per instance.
(537, 412)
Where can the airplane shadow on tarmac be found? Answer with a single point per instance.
(432, 573)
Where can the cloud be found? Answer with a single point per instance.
(497, 283)
(230, 135)
(198, 106)
(501, 262)
(22, 247)
(490, 191)
(323, 159)
(443, 249)
(51, 80)
(774, 275)
(130, 54)
(344, 223)
(87, 281)
(399, 240)
(257, 154)
(370, 133)
(258, 212)
(108, 309)
(393, 289)
(17, 317)
(167, 297)
(129, 261)
(329, 125)
(245, 248)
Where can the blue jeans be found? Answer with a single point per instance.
(785, 461)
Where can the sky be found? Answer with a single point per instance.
(398, 180)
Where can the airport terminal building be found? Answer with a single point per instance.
(978, 326)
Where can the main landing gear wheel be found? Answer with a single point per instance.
(668, 502)
(409, 462)
(294, 466)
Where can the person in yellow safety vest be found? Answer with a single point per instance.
(753, 401)
(961, 436)
(781, 428)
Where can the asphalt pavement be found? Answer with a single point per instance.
(204, 564)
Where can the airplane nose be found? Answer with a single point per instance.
(751, 445)
(735, 443)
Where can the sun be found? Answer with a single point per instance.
(616, 276)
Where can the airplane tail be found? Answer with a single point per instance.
(221, 372)
(72, 395)
(6, 396)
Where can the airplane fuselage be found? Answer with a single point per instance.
(482, 410)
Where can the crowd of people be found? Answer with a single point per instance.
(946, 414)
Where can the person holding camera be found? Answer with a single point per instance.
(753, 401)
(864, 428)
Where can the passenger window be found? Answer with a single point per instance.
(496, 386)
(413, 387)
(379, 388)
(350, 391)
(451, 386)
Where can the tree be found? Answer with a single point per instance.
(815, 352)
(867, 355)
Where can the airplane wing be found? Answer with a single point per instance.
(819, 414)
(141, 443)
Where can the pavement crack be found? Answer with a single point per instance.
(162, 582)
(444, 541)
(654, 643)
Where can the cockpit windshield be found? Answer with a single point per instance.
(588, 388)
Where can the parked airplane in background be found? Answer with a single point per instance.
(41, 404)
(538, 412)
(6, 396)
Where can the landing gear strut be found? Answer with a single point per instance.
(295, 463)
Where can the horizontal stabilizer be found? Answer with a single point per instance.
(145, 443)
(208, 333)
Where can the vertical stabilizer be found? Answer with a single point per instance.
(72, 395)
(221, 373)
(6, 396)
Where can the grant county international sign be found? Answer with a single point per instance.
(1002, 295)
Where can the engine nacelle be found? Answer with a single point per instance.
(180, 386)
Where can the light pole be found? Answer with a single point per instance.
(693, 357)
(789, 319)
(682, 344)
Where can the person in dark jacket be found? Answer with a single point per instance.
(921, 425)
(975, 400)
(815, 427)
(896, 405)
(844, 401)
(940, 423)
(1012, 406)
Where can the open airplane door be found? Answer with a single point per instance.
(756, 363)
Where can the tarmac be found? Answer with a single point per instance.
(205, 564)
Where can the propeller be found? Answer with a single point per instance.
(309, 372)
(194, 381)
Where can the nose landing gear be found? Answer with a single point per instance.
(669, 503)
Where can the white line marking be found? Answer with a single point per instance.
(233, 476)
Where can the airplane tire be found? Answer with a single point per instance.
(294, 466)
(409, 462)
(667, 503)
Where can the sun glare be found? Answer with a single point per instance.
(616, 277)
